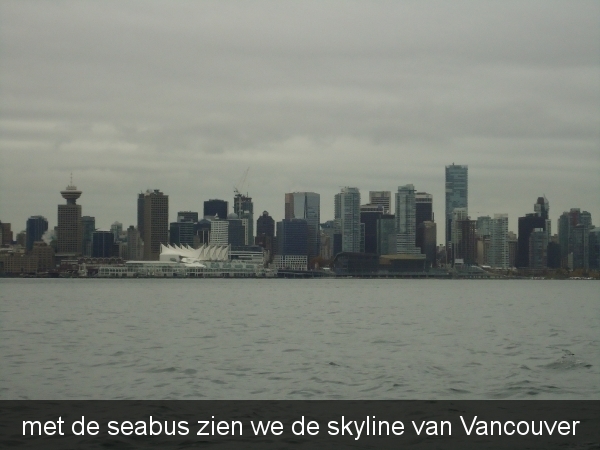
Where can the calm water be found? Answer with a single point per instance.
(299, 339)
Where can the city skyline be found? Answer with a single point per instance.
(312, 97)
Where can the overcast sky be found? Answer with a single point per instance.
(311, 96)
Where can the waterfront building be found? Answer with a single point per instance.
(457, 194)
(347, 212)
(35, 228)
(69, 230)
(292, 243)
(381, 198)
(44, 254)
(216, 208)
(307, 206)
(156, 223)
(498, 252)
(406, 221)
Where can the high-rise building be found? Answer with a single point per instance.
(369, 215)
(6, 234)
(386, 235)
(216, 207)
(140, 213)
(307, 206)
(498, 256)
(406, 221)
(427, 241)
(457, 194)
(36, 227)
(244, 209)
(465, 247)
(117, 230)
(423, 208)
(265, 225)
(292, 243)
(381, 198)
(202, 230)
(483, 226)
(538, 219)
(88, 226)
(580, 258)
(458, 215)
(156, 223)
(219, 232)
(134, 244)
(237, 231)
(265, 233)
(181, 233)
(102, 244)
(69, 230)
(572, 241)
(187, 216)
(347, 209)
(594, 248)
(538, 249)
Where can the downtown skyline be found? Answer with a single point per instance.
(312, 97)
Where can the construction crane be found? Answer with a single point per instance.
(240, 184)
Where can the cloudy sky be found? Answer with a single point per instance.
(311, 96)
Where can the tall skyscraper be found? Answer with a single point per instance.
(457, 194)
(423, 207)
(156, 223)
(265, 233)
(216, 207)
(498, 253)
(347, 210)
(69, 231)
(88, 226)
(528, 223)
(140, 213)
(181, 233)
(36, 227)
(369, 215)
(427, 241)
(406, 221)
(381, 198)
(117, 230)
(292, 243)
(307, 206)
(244, 208)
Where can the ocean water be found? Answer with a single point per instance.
(299, 339)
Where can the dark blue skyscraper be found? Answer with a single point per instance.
(292, 237)
(36, 227)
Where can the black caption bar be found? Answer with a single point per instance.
(300, 424)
